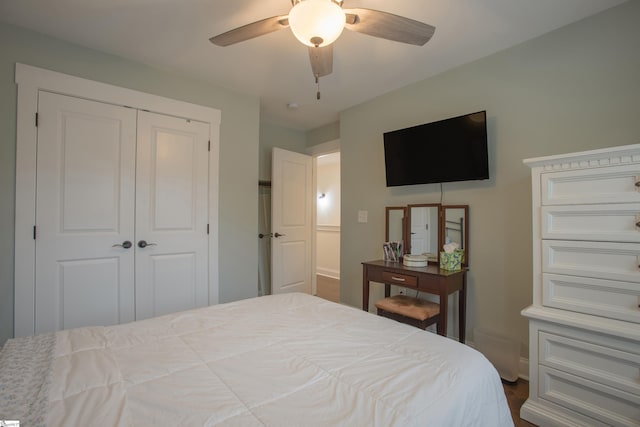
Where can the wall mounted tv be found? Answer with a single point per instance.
(448, 150)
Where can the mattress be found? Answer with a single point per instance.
(280, 360)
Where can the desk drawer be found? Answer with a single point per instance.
(399, 279)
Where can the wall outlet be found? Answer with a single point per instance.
(402, 291)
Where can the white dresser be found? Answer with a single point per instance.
(584, 324)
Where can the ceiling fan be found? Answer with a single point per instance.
(318, 23)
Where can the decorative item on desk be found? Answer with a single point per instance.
(416, 260)
(451, 257)
(392, 251)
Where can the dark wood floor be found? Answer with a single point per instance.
(516, 394)
(328, 288)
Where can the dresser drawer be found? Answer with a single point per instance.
(603, 260)
(605, 404)
(610, 222)
(613, 184)
(598, 297)
(594, 358)
(399, 279)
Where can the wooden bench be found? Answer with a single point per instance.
(412, 311)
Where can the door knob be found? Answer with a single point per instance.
(144, 244)
(126, 244)
(278, 234)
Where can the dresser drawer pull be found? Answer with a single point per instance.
(400, 279)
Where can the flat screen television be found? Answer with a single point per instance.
(448, 150)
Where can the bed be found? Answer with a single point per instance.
(280, 360)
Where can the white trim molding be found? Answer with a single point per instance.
(328, 228)
(324, 148)
(588, 159)
(326, 272)
(30, 81)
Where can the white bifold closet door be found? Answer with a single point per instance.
(171, 215)
(121, 214)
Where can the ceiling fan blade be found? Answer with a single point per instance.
(388, 26)
(249, 31)
(321, 60)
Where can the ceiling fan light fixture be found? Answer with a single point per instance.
(316, 22)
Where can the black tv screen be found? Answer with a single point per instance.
(448, 150)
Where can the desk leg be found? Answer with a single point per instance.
(462, 307)
(365, 289)
(441, 326)
(387, 290)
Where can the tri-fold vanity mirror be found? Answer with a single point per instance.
(425, 228)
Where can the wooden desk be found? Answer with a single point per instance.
(430, 279)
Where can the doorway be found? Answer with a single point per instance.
(327, 226)
(264, 236)
(325, 256)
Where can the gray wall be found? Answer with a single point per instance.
(277, 136)
(575, 89)
(272, 135)
(326, 133)
(238, 150)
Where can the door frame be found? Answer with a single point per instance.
(315, 151)
(30, 80)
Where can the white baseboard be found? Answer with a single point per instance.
(327, 272)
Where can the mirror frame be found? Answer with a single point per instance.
(465, 230)
(442, 216)
(439, 228)
(387, 211)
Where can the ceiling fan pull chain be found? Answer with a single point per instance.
(318, 84)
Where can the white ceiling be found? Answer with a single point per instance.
(173, 35)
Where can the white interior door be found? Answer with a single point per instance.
(171, 240)
(291, 222)
(84, 272)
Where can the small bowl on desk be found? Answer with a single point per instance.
(415, 260)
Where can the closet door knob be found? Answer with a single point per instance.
(126, 244)
(143, 244)
(278, 235)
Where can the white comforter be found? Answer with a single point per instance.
(287, 360)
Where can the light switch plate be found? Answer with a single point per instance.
(363, 216)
